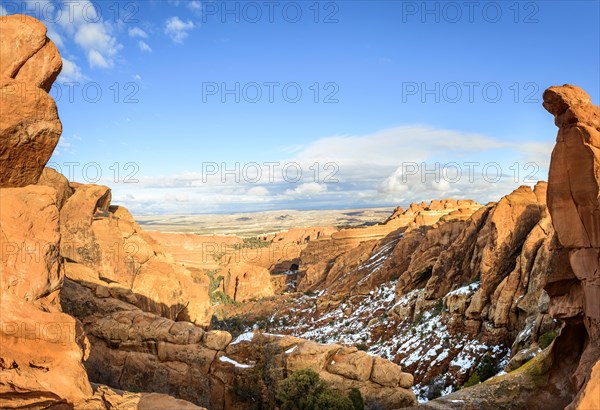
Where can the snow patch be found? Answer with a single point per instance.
(235, 363)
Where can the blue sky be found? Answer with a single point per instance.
(173, 93)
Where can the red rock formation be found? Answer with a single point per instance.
(121, 257)
(41, 348)
(138, 350)
(30, 128)
(573, 201)
(243, 281)
(341, 262)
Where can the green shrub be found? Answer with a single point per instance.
(438, 308)
(257, 387)
(356, 398)
(220, 298)
(418, 319)
(304, 390)
(300, 390)
(233, 325)
(216, 295)
(473, 380)
(251, 243)
(217, 256)
(362, 346)
(547, 338)
(486, 369)
(328, 400)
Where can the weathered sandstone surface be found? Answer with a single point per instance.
(30, 127)
(42, 349)
(573, 201)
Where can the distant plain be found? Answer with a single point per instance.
(257, 223)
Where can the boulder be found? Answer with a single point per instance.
(243, 281)
(31, 58)
(130, 263)
(29, 127)
(59, 182)
(310, 355)
(29, 131)
(385, 372)
(216, 339)
(351, 363)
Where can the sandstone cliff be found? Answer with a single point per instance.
(463, 290)
(137, 350)
(105, 248)
(565, 375)
(573, 201)
(42, 349)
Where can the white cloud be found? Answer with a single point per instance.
(258, 191)
(2, 10)
(64, 146)
(82, 22)
(195, 6)
(387, 147)
(177, 29)
(307, 189)
(369, 169)
(144, 46)
(137, 32)
(95, 59)
(137, 77)
(100, 46)
(70, 72)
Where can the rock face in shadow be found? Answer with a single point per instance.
(116, 254)
(574, 203)
(30, 127)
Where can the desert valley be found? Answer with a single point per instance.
(444, 304)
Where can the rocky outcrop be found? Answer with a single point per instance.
(477, 277)
(424, 214)
(489, 254)
(28, 56)
(113, 399)
(560, 255)
(243, 281)
(573, 202)
(196, 251)
(504, 247)
(42, 348)
(30, 127)
(357, 259)
(250, 268)
(120, 257)
(136, 350)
